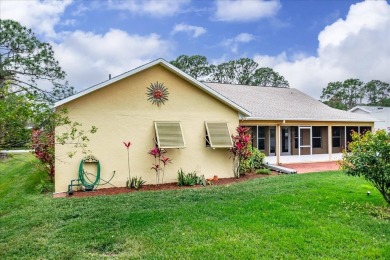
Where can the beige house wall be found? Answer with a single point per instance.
(122, 113)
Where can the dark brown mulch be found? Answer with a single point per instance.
(166, 186)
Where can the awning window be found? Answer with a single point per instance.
(169, 135)
(218, 135)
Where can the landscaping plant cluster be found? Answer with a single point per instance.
(245, 157)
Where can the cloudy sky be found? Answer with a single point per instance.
(309, 42)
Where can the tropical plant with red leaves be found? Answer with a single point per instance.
(159, 158)
(165, 161)
(241, 148)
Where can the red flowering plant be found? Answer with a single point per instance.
(159, 158)
(127, 145)
(241, 148)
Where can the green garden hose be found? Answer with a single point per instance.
(88, 184)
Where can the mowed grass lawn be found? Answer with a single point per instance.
(320, 215)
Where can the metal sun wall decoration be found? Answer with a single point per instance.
(157, 93)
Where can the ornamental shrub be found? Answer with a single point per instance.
(369, 156)
(257, 158)
(190, 179)
(253, 162)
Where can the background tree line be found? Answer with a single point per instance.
(243, 71)
(352, 92)
(341, 95)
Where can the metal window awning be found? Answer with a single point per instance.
(169, 135)
(218, 135)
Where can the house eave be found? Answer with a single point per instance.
(285, 120)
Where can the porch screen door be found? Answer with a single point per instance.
(305, 138)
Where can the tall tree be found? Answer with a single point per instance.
(26, 62)
(16, 113)
(196, 66)
(235, 71)
(267, 77)
(344, 95)
(377, 92)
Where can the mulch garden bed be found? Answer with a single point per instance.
(165, 186)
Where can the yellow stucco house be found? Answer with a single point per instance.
(158, 105)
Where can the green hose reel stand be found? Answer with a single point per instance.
(83, 179)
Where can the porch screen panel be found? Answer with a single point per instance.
(218, 135)
(169, 135)
(336, 136)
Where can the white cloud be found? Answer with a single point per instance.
(88, 58)
(158, 8)
(40, 16)
(69, 22)
(245, 11)
(270, 61)
(80, 10)
(233, 43)
(194, 31)
(244, 37)
(357, 47)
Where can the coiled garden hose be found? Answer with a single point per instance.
(88, 184)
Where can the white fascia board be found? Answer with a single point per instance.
(309, 119)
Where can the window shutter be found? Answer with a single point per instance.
(169, 135)
(218, 135)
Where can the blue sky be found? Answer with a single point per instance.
(309, 42)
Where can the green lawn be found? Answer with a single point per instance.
(320, 215)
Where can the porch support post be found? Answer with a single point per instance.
(345, 137)
(277, 144)
(330, 143)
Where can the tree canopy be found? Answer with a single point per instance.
(26, 62)
(196, 66)
(25, 107)
(352, 92)
(243, 71)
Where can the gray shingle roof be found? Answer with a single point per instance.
(269, 103)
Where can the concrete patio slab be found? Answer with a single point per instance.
(313, 167)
